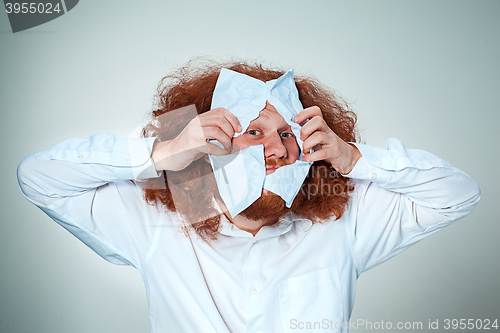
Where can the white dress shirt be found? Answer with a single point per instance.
(289, 273)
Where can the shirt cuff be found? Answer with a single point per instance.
(131, 158)
(378, 164)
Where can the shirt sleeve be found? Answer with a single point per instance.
(88, 187)
(401, 196)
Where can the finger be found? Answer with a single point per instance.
(231, 118)
(307, 113)
(215, 133)
(219, 121)
(317, 138)
(315, 124)
(319, 155)
(213, 149)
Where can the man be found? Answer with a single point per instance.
(273, 267)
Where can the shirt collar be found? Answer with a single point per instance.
(281, 227)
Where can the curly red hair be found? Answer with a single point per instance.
(194, 84)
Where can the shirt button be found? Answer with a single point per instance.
(80, 157)
(127, 159)
(419, 165)
(253, 291)
(373, 175)
(379, 162)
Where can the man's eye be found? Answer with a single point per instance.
(253, 132)
(286, 135)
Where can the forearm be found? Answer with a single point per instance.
(77, 165)
(424, 178)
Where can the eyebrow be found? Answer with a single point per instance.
(262, 120)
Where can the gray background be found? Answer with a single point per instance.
(425, 72)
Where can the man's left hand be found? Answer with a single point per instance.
(325, 143)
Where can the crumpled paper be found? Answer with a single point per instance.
(241, 176)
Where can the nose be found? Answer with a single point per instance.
(274, 148)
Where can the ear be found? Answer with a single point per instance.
(205, 157)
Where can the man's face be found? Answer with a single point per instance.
(272, 131)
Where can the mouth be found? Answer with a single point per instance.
(273, 165)
(271, 169)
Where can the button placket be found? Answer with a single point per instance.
(253, 282)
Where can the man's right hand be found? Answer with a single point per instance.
(191, 143)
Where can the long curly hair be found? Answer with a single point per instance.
(324, 193)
